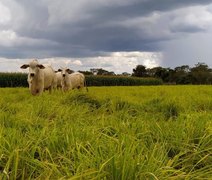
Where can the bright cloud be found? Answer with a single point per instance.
(118, 62)
(192, 19)
(5, 15)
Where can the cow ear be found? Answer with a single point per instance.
(41, 66)
(59, 70)
(24, 66)
(69, 71)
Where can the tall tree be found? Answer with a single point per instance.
(86, 72)
(181, 75)
(140, 71)
(201, 74)
(166, 74)
(101, 71)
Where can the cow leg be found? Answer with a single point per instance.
(50, 89)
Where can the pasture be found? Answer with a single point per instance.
(141, 132)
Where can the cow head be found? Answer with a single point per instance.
(65, 71)
(34, 67)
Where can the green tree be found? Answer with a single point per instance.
(86, 72)
(182, 75)
(166, 74)
(140, 71)
(105, 72)
(201, 74)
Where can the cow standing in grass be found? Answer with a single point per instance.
(40, 77)
(58, 84)
(72, 80)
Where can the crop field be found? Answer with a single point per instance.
(140, 132)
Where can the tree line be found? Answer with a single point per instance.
(199, 74)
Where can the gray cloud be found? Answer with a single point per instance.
(50, 28)
(189, 50)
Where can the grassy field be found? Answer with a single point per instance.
(146, 132)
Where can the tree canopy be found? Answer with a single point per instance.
(199, 74)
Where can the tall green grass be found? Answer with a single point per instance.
(149, 132)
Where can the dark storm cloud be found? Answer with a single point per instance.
(187, 28)
(190, 51)
(93, 27)
(142, 8)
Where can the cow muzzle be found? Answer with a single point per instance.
(32, 74)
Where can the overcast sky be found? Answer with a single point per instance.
(115, 35)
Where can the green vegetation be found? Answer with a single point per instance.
(201, 73)
(146, 132)
(121, 81)
(20, 80)
(13, 80)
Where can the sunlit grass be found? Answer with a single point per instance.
(154, 132)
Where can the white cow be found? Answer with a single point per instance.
(58, 80)
(40, 77)
(72, 80)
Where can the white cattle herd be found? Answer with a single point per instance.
(43, 77)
